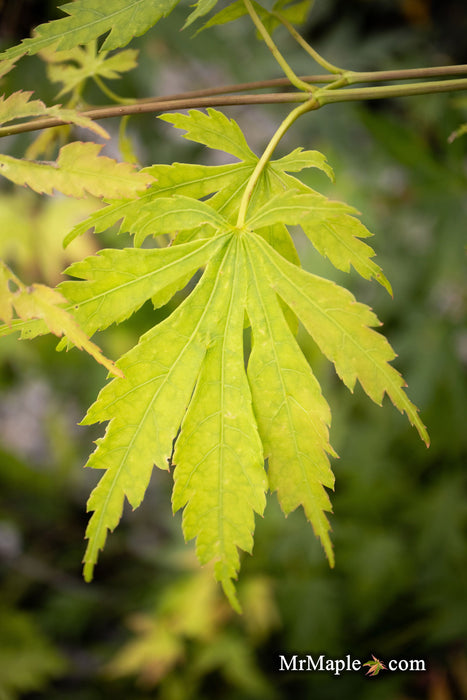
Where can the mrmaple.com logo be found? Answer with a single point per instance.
(338, 666)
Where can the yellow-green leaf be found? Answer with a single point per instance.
(120, 19)
(79, 169)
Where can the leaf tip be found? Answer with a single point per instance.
(231, 593)
(88, 570)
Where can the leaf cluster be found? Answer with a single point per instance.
(231, 419)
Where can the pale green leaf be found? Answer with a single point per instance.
(115, 283)
(27, 329)
(341, 327)
(233, 11)
(73, 67)
(6, 66)
(295, 12)
(146, 407)
(202, 8)
(44, 305)
(18, 105)
(125, 143)
(214, 130)
(120, 19)
(219, 475)
(78, 170)
(292, 415)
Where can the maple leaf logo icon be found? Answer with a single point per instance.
(375, 666)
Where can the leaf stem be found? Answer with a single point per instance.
(263, 161)
(306, 46)
(291, 75)
(111, 94)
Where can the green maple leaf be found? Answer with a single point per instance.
(121, 20)
(19, 105)
(187, 382)
(295, 12)
(73, 67)
(188, 375)
(44, 304)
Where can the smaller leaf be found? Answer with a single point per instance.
(6, 295)
(233, 11)
(121, 20)
(457, 133)
(6, 66)
(202, 8)
(295, 12)
(78, 169)
(45, 304)
(73, 67)
(18, 105)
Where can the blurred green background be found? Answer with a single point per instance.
(153, 624)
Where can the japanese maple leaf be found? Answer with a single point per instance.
(375, 666)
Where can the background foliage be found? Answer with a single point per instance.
(153, 625)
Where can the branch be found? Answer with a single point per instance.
(218, 96)
(159, 105)
(324, 96)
